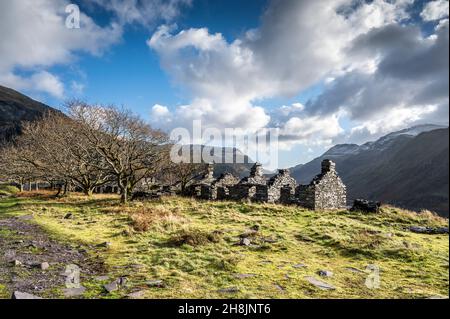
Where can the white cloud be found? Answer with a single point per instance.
(299, 44)
(390, 121)
(143, 12)
(42, 81)
(34, 37)
(435, 10)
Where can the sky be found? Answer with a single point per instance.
(321, 72)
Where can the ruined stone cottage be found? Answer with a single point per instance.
(282, 180)
(326, 191)
(253, 187)
(198, 187)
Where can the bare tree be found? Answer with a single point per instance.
(131, 149)
(181, 174)
(14, 168)
(61, 153)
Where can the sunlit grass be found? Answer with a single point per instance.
(142, 237)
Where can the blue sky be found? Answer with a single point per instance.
(319, 75)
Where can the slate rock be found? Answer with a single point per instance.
(111, 287)
(245, 242)
(156, 283)
(74, 292)
(23, 295)
(44, 266)
(229, 290)
(319, 284)
(429, 230)
(299, 266)
(325, 273)
(136, 295)
(366, 206)
(17, 263)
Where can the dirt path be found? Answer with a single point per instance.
(25, 251)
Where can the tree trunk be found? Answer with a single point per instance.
(66, 188)
(124, 196)
(88, 192)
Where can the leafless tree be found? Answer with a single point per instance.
(181, 174)
(13, 168)
(131, 149)
(61, 153)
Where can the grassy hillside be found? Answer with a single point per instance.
(191, 246)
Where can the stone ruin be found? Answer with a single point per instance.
(325, 192)
(199, 188)
(253, 187)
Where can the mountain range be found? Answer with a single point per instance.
(408, 168)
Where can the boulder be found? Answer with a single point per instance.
(366, 206)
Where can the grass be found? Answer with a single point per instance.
(192, 247)
(7, 190)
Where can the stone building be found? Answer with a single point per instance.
(199, 187)
(277, 182)
(253, 187)
(326, 191)
(221, 187)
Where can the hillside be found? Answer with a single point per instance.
(183, 248)
(16, 108)
(407, 168)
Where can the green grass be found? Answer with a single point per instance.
(7, 190)
(191, 246)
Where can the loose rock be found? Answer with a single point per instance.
(245, 242)
(156, 283)
(23, 295)
(325, 273)
(319, 284)
(363, 205)
(74, 292)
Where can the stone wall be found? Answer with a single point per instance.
(325, 192)
(277, 182)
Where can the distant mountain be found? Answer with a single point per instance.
(408, 168)
(239, 166)
(16, 108)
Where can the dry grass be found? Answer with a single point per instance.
(195, 237)
(145, 218)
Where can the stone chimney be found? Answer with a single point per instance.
(210, 171)
(256, 170)
(328, 166)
